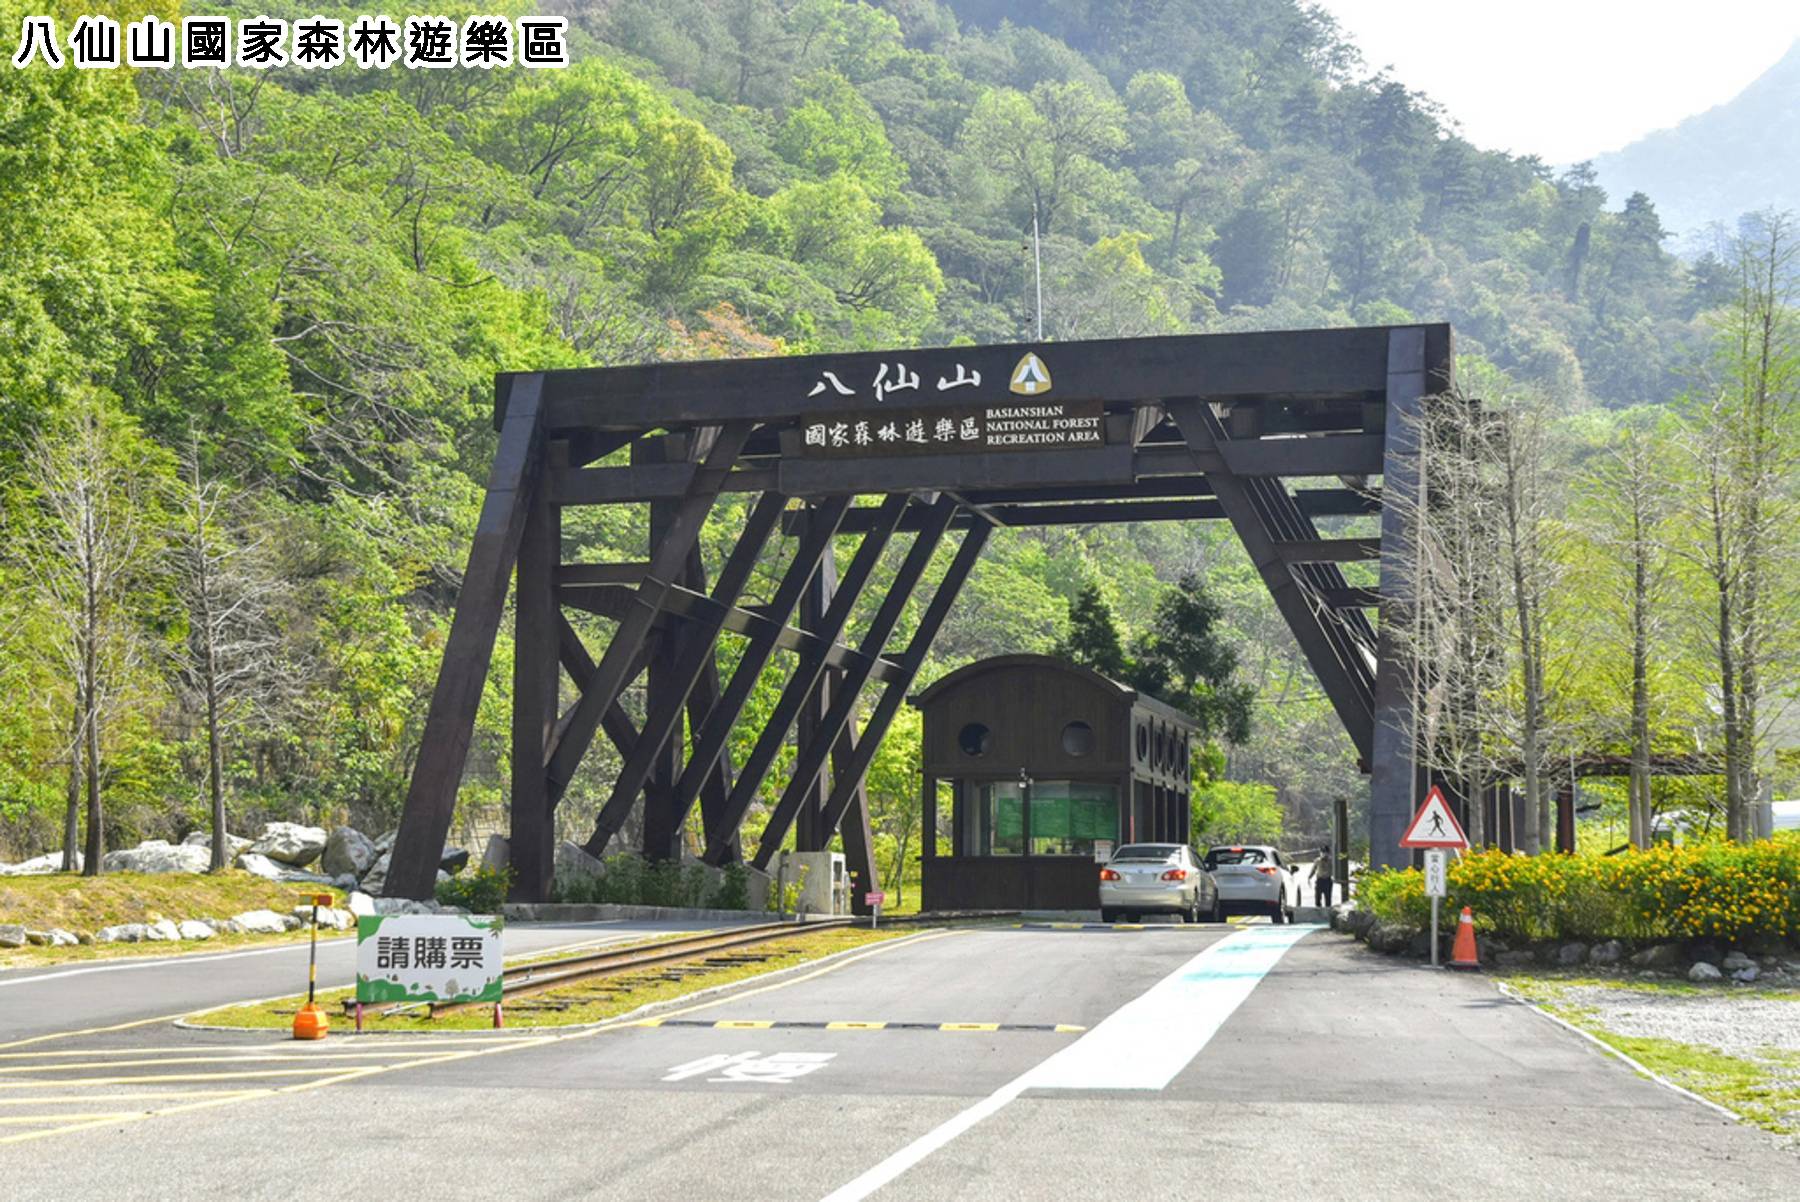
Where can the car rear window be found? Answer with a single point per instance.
(1146, 851)
(1235, 855)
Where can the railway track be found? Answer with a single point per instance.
(541, 976)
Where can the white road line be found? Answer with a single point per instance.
(298, 946)
(1141, 1045)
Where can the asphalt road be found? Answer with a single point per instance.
(990, 1064)
(36, 1001)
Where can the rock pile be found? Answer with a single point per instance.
(285, 851)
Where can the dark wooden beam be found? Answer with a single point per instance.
(1351, 598)
(809, 760)
(615, 602)
(846, 782)
(666, 561)
(450, 721)
(799, 686)
(712, 736)
(1297, 364)
(1329, 550)
(580, 666)
(699, 638)
(536, 681)
(980, 476)
(1337, 677)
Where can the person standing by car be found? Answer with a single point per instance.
(1322, 880)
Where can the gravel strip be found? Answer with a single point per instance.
(1736, 1026)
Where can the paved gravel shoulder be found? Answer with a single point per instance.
(1746, 1025)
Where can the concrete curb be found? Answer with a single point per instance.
(626, 1019)
(609, 912)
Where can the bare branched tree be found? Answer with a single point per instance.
(88, 540)
(1626, 519)
(230, 664)
(1742, 435)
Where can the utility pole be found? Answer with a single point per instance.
(1037, 267)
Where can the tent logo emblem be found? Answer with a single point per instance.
(1030, 376)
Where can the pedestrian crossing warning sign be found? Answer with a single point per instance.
(1435, 824)
(1030, 377)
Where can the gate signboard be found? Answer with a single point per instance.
(440, 958)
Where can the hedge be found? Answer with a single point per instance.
(1719, 890)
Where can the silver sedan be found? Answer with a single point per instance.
(1157, 878)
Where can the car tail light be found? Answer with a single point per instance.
(1267, 869)
(1175, 874)
(1107, 874)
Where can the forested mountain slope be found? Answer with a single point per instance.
(1739, 157)
(293, 288)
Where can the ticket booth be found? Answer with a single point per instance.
(1033, 768)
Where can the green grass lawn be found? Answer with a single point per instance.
(84, 904)
(584, 1002)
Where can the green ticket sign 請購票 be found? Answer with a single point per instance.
(440, 958)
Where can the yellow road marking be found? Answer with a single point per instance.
(854, 1026)
(136, 1118)
(22, 1119)
(744, 1024)
(274, 1072)
(94, 1099)
(490, 1048)
(242, 1056)
(1068, 1029)
(390, 1045)
(968, 1026)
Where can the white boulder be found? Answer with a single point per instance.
(262, 922)
(203, 838)
(62, 938)
(348, 851)
(290, 843)
(361, 903)
(258, 864)
(1703, 971)
(162, 930)
(12, 935)
(157, 855)
(37, 865)
(190, 928)
(125, 932)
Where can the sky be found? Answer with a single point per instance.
(1569, 79)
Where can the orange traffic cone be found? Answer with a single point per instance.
(1462, 955)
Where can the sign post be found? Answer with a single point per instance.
(310, 1021)
(1435, 829)
(429, 958)
(873, 900)
(1437, 880)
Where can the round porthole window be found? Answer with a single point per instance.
(1143, 742)
(1160, 751)
(1078, 739)
(974, 739)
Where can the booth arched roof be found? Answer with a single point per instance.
(997, 663)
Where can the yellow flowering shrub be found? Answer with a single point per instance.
(1727, 891)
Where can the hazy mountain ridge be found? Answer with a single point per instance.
(1735, 158)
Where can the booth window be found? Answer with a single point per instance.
(1143, 742)
(1002, 809)
(974, 739)
(1078, 739)
(1068, 816)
